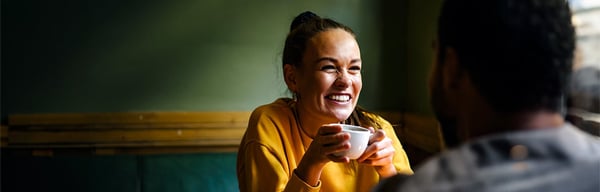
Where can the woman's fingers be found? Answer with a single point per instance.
(371, 150)
(338, 159)
(377, 136)
(377, 142)
(337, 143)
(379, 149)
(328, 129)
(382, 157)
(330, 140)
(334, 139)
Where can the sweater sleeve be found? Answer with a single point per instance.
(264, 172)
(297, 184)
(400, 158)
(262, 161)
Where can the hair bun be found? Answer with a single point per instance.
(303, 18)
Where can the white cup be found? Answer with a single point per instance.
(359, 139)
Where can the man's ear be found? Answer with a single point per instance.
(289, 75)
(452, 73)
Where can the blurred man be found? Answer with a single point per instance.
(498, 85)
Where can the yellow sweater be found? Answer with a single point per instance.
(274, 145)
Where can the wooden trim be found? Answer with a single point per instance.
(165, 132)
(128, 132)
(123, 135)
(127, 118)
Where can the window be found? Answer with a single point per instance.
(584, 95)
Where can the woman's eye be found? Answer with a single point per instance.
(329, 68)
(355, 69)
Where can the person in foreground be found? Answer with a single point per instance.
(289, 145)
(497, 87)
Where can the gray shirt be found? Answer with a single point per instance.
(561, 159)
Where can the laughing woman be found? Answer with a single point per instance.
(289, 145)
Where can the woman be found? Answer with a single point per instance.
(289, 144)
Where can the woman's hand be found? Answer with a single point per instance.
(379, 154)
(329, 140)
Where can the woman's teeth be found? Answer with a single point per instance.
(339, 97)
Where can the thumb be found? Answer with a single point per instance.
(371, 129)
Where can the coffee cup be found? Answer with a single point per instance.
(359, 139)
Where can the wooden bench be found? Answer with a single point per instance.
(171, 132)
(127, 132)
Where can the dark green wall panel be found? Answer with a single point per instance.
(69, 174)
(126, 173)
(190, 172)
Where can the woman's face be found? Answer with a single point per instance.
(328, 82)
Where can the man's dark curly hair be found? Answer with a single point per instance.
(518, 53)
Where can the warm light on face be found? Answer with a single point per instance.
(329, 79)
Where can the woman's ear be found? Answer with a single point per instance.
(289, 75)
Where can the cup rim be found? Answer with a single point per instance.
(361, 129)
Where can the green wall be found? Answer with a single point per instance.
(184, 55)
(210, 55)
(409, 28)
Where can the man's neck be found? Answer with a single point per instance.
(499, 123)
(542, 119)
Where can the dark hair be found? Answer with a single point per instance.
(305, 26)
(518, 53)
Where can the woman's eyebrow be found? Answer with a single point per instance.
(356, 61)
(331, 59)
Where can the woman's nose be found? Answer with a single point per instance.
(342, 80)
